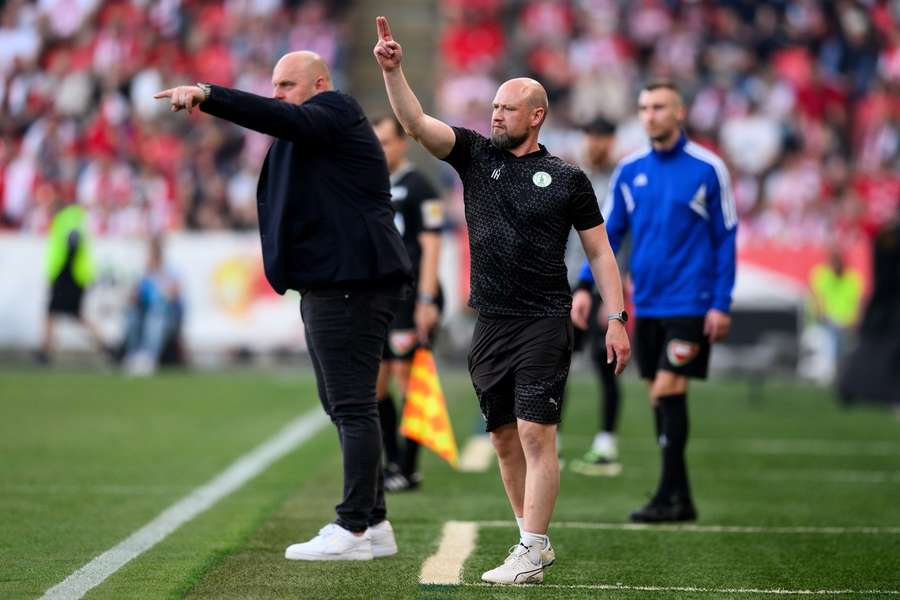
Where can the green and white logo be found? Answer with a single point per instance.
(542, 179)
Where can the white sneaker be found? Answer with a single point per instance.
(333, 543)
(548, 556)
(605, 447)
(519, 567)
(383, 541)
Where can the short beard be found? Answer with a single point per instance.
(664, 137)
(505, 141)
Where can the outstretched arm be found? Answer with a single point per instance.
(437, 137)
(307, 122)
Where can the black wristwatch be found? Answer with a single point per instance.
(619, 316)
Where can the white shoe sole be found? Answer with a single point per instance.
(300, 555)
(525, 577)
(384, 551)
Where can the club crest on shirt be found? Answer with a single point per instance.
(401, 342)
(542, 179)
(640, 180)
(680, 352)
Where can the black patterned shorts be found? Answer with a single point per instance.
(519, 367)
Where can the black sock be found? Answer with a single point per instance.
(410, 457)
(674, 480)
(658, 421)
(387, 414)
(609, 415)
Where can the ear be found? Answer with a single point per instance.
(321, 83)
(537, 116)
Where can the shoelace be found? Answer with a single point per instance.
(328, 530)
(515, 551)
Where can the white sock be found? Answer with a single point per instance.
(535, 542)
(520, 521)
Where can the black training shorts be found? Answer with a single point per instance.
(402, 341)
(675, 344)
(519, 367)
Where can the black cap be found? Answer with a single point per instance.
(599, 126)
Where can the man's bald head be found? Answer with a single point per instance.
(520, 107)
(298, 76)
(530, 90)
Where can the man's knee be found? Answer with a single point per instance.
(537, 438)
(667, 383)
(506, 441)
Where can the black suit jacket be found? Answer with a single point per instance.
(324, 199)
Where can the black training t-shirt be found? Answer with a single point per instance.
(417, 209)
(519, 212)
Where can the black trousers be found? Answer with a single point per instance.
(346, 329)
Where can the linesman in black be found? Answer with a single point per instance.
(327, 230)
(419, 217)
(520, 204)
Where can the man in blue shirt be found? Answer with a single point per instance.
(675, 198)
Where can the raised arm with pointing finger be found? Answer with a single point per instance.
(437, 137)
(521, 202)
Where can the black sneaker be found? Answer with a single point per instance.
(662, 511)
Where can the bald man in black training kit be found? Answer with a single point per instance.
(521, 202)
(327, 230)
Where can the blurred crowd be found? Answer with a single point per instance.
(801, 97)
(78, 121)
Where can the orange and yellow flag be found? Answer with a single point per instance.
(425, 417)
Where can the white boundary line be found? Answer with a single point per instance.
(444, 567)
(237, 474)
(458, 538)
(696, 590)
(708, 528)
(478, 454)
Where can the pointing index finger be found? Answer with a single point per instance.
(164, 94)
(384, 29)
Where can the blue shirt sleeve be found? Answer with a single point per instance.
(723, 221)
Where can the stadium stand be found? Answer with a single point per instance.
(78, 121)
(799, 97)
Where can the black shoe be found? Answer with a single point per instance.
(661, 511)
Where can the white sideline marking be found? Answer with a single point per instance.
(708, 528)
(444, 567)
(776, 446)
(237, 474)
(478, 454)
(659, 588)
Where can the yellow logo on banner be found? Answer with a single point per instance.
(425, 417)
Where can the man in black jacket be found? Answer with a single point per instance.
(327, 230)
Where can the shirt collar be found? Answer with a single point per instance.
(400, 173)
(678, 147)
(539, 153)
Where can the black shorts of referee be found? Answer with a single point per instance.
(675, 344)
(519, 367)
(402, 341)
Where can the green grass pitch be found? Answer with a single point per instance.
(88, 458)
